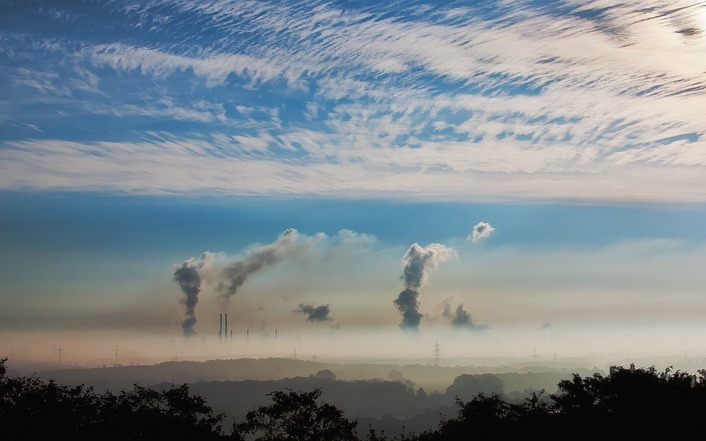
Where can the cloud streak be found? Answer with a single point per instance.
(531, 99)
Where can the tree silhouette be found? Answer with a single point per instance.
(31, 409)
(628, 402)
(634, 402)
(296, 416)
(173, 413)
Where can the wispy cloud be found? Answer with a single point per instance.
(531, 101)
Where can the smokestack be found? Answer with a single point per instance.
(226, 326)
(220, 326)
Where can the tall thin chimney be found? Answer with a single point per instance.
(220, 326)
(226, 326)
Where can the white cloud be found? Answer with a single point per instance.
(213, 68)
(173, 164)
(550, 101)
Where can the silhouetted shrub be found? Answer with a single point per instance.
(296, 416)
(32, 410)
(628, 402)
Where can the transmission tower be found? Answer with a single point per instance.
(437, 353)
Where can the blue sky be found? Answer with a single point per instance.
(136, 136)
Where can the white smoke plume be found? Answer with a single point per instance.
(480, 231)
(417, 262)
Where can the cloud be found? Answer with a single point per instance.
(214, 69)
(417, 262)
(530, 101)
(480, 231)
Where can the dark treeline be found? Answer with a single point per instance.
(632, 402)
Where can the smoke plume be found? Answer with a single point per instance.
(460, 318)
(480, 231)
(237, 273)
(189, 277)
(193, 275)
(315, 313)
(417, 261)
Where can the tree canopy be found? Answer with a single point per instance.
(296, 416)
(631, 402)
(31, 410)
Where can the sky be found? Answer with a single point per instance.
(352, 178)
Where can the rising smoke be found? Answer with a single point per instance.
(460, 318)
(238, 272)
(480, 231)
(189, 276)
(315, 313)
(417, 261)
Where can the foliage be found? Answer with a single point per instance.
(296, 416)
(628, 402)
(634, 401)
(31, 409)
